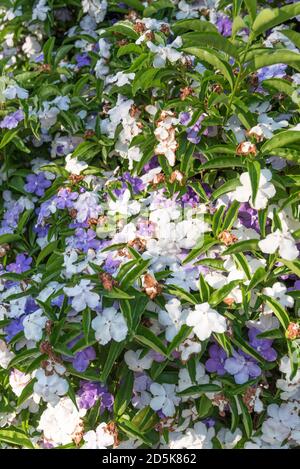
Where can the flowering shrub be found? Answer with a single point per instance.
(149, 224)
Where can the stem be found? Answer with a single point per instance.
(238, 79)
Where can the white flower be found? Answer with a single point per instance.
(205, 320)
(82, 296)
(18, 381)
(31, 46)
(187, 11)
(281, 240)
(34, 324)
(278, 292)
(74, 166)
(283, 423)
(87, 206)
(164, 53)
(290, 387)
(266, 190)
(185, 278)
(185, 381)
(124, 205)
(135, 363)
(51, 385)
(15, 91)
(110, 324)
(5, 355)
(188, 348)
(120, 79)
(229, 439)
(266, 126)
(198, 437)
(95, 8)
(164, 398)
(101, 438)
(40, 10)
(173, 318)
(60, 422)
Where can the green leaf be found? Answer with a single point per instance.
(14, 437)
(278, 310)
(211, 58)
(86, 322)
(204, 289)
(282, 139)
(204, 406)
(246, 417)
(242, 246)
(292, 36)
(26, 393)
(124, 394)
(180, 337)
(217, 220)
(293, 266)
(268, 18)
(251, 7)
(254, 174)
(46, 251)
(9, 238)
(147, 337)
(210, 39)
(258, 277)
(23, 356)
(48, 49)
(231, 215)
(220, 162)
(273, 57)
(279, 84)
(193, 25)
(180, 293)
(199, 389)
(8, 136)
(124, 28)
(115, 350)
(219, 295)
(228, 186)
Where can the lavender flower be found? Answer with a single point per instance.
(215, 364)
(83, 358)
(263, 346)
(21, 264)
(36, 184)
(90, 392)
(242, 367)
(11, 121)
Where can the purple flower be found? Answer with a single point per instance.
(21, 264)
(85, 239)
(91, 392)
(111, 264)
(215, 364)
(36, 184)
(30, 305)
(185, 118)
(83, 358)
(136, 183)
(248, 216)
(11, 120)
(263, 346)
(224, 25)
(15, 326)
(272, 71)
(83, 60)
(242, 367)
(192, 132)
(190, 197)
(65, 198)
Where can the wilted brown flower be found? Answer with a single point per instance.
(150, 286)
(227, 238)
(4, 248)
(177, 176)
(185, 92)
(246, 148)
(107, 280)
(293, 331)
(139, 244)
